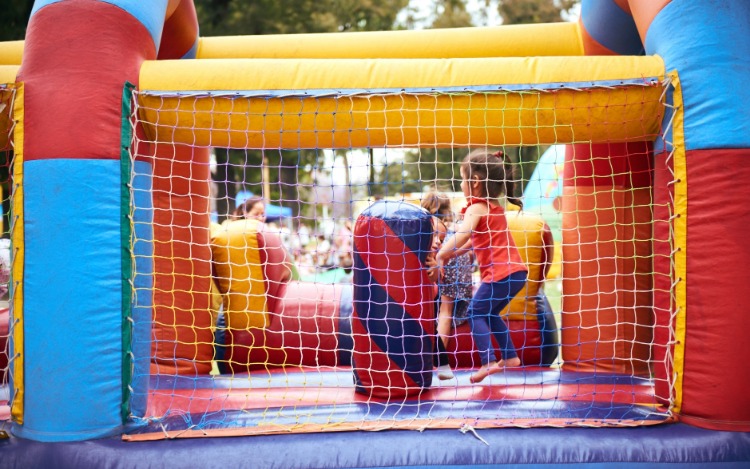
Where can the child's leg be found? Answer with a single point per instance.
(445, 318)
(502, 293)
(479, 312)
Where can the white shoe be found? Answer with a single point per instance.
(445, 372)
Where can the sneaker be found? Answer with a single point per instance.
(445, 372)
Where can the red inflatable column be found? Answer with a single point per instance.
(607, 279)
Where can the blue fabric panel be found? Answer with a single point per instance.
(676, 445)
(72, 299)
(611, 27)
(707, 42)
(150, 13)
(143, 250)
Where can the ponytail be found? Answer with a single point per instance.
(496, 171)
(509, 180)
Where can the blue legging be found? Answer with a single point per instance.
(484, 316)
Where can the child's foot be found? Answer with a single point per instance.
(494, 367)
(509, 363)
(485, 371)
(445, 372)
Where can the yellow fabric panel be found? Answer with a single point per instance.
(527, 230)
(306, 74)
(8, 73)
(17, 241)
(553, 39)
(680, 239)
(11, 53)
(239, 274)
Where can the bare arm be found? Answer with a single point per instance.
(461, 242)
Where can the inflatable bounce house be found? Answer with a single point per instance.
(121, 287)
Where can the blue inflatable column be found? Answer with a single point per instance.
(393, 322)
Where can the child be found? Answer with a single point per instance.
(455, 288)
(484, 178)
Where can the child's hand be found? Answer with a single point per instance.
(433, 272)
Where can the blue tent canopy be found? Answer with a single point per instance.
(273, 212)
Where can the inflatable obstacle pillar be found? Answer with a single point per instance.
(393, 322)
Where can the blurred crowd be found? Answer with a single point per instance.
(317, 252)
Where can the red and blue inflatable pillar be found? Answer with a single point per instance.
(393, 322)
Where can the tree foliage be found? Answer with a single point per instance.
(534, 11)
(14, 15)
(243, 17)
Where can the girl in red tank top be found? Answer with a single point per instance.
(484, 178)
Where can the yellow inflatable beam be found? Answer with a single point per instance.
(11, 52)
(412, 102)
(8, 73)
(553, 39)
(527, 40)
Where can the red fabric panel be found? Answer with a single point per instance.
(180, 32)
(74, 81)
(526, 337)
(607, 317)
(303, 331)
(182, 261)
(276, 267)
(715, 386)
(624, 165)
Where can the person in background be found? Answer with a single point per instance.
(455, 288)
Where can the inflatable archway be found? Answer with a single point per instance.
(92, 374)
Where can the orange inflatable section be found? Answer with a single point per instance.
(607, 223)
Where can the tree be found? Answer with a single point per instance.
(242, 17)
(451, 14)
(534, 11)
(14, 15)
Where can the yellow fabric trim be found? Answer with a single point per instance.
(11, 53)
(680, 238)
(17, 241)
(239, 274)
(527, 40)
